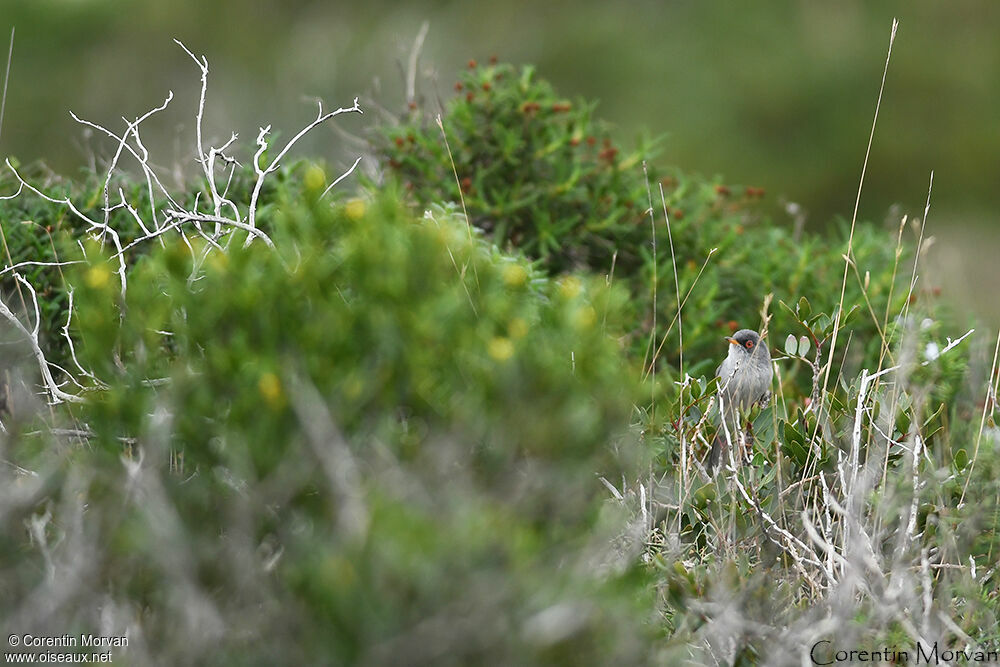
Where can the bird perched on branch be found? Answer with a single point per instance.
(744, 381)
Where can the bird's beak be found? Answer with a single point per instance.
(732, 341)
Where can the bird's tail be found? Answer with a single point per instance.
(716, 454)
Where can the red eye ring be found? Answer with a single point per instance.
(749, 344)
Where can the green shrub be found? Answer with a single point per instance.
(383, 438)
(537, 173)
(527, 175)
(379, 440)
(36, 230)
(534, 170)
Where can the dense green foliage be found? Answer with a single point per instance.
(37, 230)
(535, 171)
(538, 174)
(402, 432)
(386, 408)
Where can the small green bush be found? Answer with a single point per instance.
(36, 230)
(536, 172)
(379, 440)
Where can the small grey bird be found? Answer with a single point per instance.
(744, 381)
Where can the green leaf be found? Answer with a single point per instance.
(793, 446)
(961, 459)
(934, 415)
(903, 421)
(763, 426)
(790, 345)
(769, 477)
(796, 452)
(803, 309)
(705, 495)
(804, 346)
(788, 308)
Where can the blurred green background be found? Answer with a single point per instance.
(779, 97)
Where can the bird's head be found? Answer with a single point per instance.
(745, 340)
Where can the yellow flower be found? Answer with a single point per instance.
(97, 276)
(355, 209)
(514, 275)
(501, 348)
(571, 287)
(270, 388)
(315, 178)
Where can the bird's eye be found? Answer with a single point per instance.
(749, 344)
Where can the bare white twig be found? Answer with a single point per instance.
(72, 347)
(131, 129)
(614, 491)
(262, 145)
(56, 394)
(831, 552)
(951, 344)
(866, 381)
(141, 157)
(207, 158)
(341, 177)
(165, 212)
(15, 267)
